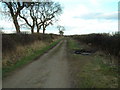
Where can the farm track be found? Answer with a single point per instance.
(50, 71)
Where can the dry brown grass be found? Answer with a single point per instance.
(12, 57)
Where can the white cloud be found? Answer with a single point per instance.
(93, 26)
(82, 26)
(110, 15)
(99, 21)
(68, 16)
(94, 2)
(6, 24)
(99, 15)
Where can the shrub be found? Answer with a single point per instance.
(108, 43)
(10, 41)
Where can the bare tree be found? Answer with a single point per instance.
(28, 15)
(61, 29)
(39, 14)
(14, 10)
(47, 13)
(61, 33)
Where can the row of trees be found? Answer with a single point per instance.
(33, 14)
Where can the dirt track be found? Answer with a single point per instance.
(49, 71)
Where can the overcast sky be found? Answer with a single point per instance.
(83, 17)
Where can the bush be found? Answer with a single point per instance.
(10, 41)
(108, 43)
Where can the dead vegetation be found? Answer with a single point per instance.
(15, 47)
(21, 51)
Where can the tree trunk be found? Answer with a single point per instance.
(38, 29)
(17, 27)
(43, 29)
(32, 27)
(32, 30)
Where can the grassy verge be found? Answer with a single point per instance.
(95, 74)
(89, 71)
(26, 59)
